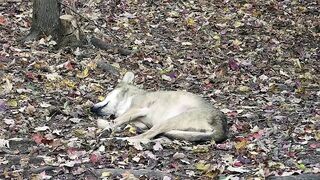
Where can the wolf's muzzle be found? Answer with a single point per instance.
(95, 109)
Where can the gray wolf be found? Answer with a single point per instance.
(174, 114)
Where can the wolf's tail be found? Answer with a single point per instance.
(197, 136)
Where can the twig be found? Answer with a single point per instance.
(41, 169)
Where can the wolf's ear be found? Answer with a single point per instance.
(128, 77)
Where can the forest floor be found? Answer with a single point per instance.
(257, 61)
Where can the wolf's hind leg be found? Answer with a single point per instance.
(193, 125)
(186, 121)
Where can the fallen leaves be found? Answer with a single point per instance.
(254, 61)
(12, 103)
(40, 139)
(84, 73)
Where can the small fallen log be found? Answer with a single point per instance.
(137, 173)
(98, 43)
(106, 67)
(296, 177)
(41, 169)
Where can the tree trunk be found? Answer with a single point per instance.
(45, 20)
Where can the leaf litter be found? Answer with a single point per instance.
(258, 61)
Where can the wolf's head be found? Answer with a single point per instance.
(119, 100)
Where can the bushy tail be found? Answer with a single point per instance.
(197, 136)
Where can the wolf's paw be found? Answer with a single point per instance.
(103, 124)
(106, 127)
(106, 132)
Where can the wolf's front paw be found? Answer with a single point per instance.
(103, 124)
(106, 132)
(106, 127)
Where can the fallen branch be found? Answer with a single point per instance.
(98, 43)
(41, 169)
(106, 67)
(296, 177)
(137, 173)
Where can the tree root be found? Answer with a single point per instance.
(33, 35)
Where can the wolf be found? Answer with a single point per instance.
(174, 114)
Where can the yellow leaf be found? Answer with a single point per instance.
(300, 90)
(237, 24)
(200, 149)
(23, 97)
(244, 88)
(174, 14)
(301, 166)
(79, 132)
(191, 22)
(12, 103)
(317, 136)
(68, 83)
(212, 174)
(92, 65)
(216, 37)
(241, 145)
(202, 166)
(101, 98)
(133, 130)
(105, 174)
(236, 42)
(84, 73)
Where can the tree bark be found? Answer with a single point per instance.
(45, 20)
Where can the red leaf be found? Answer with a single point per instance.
(232, 114)
(314, 145)
(233, 65)
(95, 157)
(40, 139)
(46, 141)
(291, 154)
(30, 75)
(223, 146)
(237, 164)
(71, 151)
(37, 138)
(68, 65)
(2, 20)
(256, 135)
(240, 138)
(174, 165)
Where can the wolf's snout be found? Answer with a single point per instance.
(95, 109)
